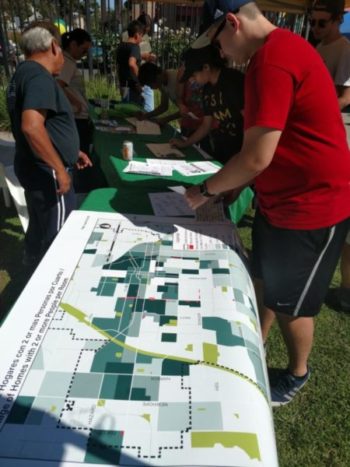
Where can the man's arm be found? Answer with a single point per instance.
(343, 93)
(168, 118)
(33, 128)
(258, 149)
(133, 66)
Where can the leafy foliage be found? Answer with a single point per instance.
(5, 123)
(24, 9)
(100, 87)
(168, 44)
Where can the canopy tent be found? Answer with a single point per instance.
(289, 6)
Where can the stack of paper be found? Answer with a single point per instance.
(145, 127)
(198, 168)
(144, 168)
(174, 203)
(165, 167)
(112, 126)
(170, 204)
(211, 211)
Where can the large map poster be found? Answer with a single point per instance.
(136, 342)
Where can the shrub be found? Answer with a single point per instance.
(168, 44)
(5, 123)
(100, 87)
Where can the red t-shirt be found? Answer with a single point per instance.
(288, 88)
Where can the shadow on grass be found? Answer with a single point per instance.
(14, 275)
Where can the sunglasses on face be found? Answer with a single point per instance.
(218, 31)
(321, 23)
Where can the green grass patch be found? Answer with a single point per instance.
(5, 124)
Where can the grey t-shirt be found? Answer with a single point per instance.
(74, 80)
(33, 87)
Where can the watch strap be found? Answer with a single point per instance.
(204, 190)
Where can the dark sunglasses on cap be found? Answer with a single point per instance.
(218, 31)
(321, 23)
(221, 27)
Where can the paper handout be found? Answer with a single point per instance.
(198, 168)
(174, 203)
(211, 211)
(178, 189)
(170, 204)
(145, 127)
(165, 151)
(147, 169)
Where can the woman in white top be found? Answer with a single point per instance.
(75, 45)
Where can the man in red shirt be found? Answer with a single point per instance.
(295, 150)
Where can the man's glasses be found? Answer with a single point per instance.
(321, 23)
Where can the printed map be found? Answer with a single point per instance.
(146, 350)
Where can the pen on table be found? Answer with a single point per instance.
(175, 132)
(199, 169)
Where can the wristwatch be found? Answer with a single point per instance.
(204, 190)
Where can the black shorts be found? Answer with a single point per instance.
(296, 266)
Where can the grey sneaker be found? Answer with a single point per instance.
(284, 386)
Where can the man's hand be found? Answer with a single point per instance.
(64, 182)
(77, 106)
(194, 198)
(83, 161)
(178, 143)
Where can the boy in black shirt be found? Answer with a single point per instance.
(128, 63)
(223, 100)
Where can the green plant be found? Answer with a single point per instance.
(168, 44)
(97, 88)
(5, 123)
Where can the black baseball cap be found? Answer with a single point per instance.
(205, 39)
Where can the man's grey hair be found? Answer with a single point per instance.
(38, 37)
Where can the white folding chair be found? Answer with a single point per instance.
(17, 194)
(4, 187)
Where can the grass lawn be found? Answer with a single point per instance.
(312, 431)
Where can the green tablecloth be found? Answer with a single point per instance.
(138, 202)
(114, 200)
(108, 149)
(129, 192)
(111, 144)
